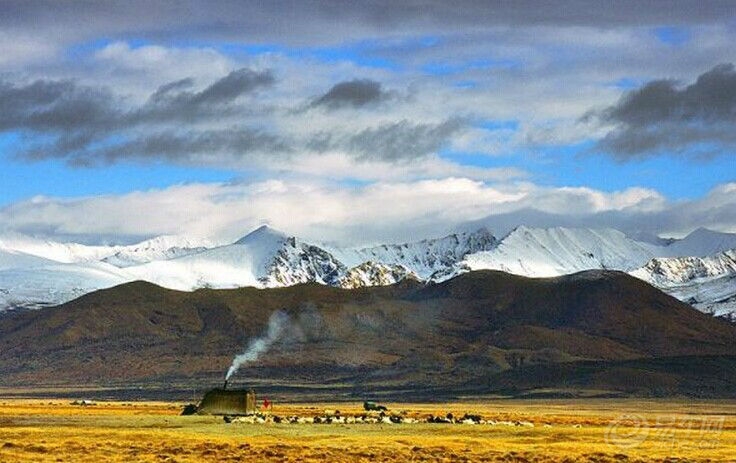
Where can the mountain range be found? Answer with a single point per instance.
(480, 333)
(699, 269)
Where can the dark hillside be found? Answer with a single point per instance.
(482, 332)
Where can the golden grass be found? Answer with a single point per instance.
(574, 430)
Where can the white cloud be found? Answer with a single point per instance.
(326, 211)
(338, 165)
(137, 71)
(555, 75)
(19, 49)
(543, 76)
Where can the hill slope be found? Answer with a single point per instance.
(483, 332)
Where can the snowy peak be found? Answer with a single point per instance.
(36, 272)
(297, 262)
(263, 235)
(287, 260)
(670, 271)
(545, 252)
(708, 283)
(650, 238)
(702, 242)
(479, 240)
(54, 251)
(425, 257)
(168, 242)
(269, 258)
(28, 281)
(159, 248)
(263, 258)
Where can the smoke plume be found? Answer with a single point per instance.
(276, 324)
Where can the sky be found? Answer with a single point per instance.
(361, 123)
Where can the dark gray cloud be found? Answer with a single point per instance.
(206, 147)
(173, 101)
(232, 86)
(66, 106)
(662, 116)
(311, 22)
(88, 125)
(55, 106)
(403, 140)
(353, 93)
(394, 142)
(171, 88)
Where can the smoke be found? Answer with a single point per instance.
(276, 324)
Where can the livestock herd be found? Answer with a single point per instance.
(335, 417)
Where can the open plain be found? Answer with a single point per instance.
(600, 430)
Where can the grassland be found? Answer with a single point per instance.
(575, 430)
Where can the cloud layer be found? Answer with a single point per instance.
(367, 121)
(88, 125)
(661, 116)
(324, 21)
(223, 124)
(382, 211)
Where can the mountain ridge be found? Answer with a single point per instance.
(485, 331)
(267, 257)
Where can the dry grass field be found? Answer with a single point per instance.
(573, 430)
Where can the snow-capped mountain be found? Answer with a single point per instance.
(263, 258)
(10, 259)
(702, 242)
(538, 252)
(36, 273)
(716, 296)
(58, 252)
(28, 281)
(423, 258)
(269, 258)
(47, 273)
(667, 271)
(709, 283)
(159, 248)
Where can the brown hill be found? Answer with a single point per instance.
(480, 333)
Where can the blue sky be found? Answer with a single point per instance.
(676, 177)
(22, 180)
(485, 109)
